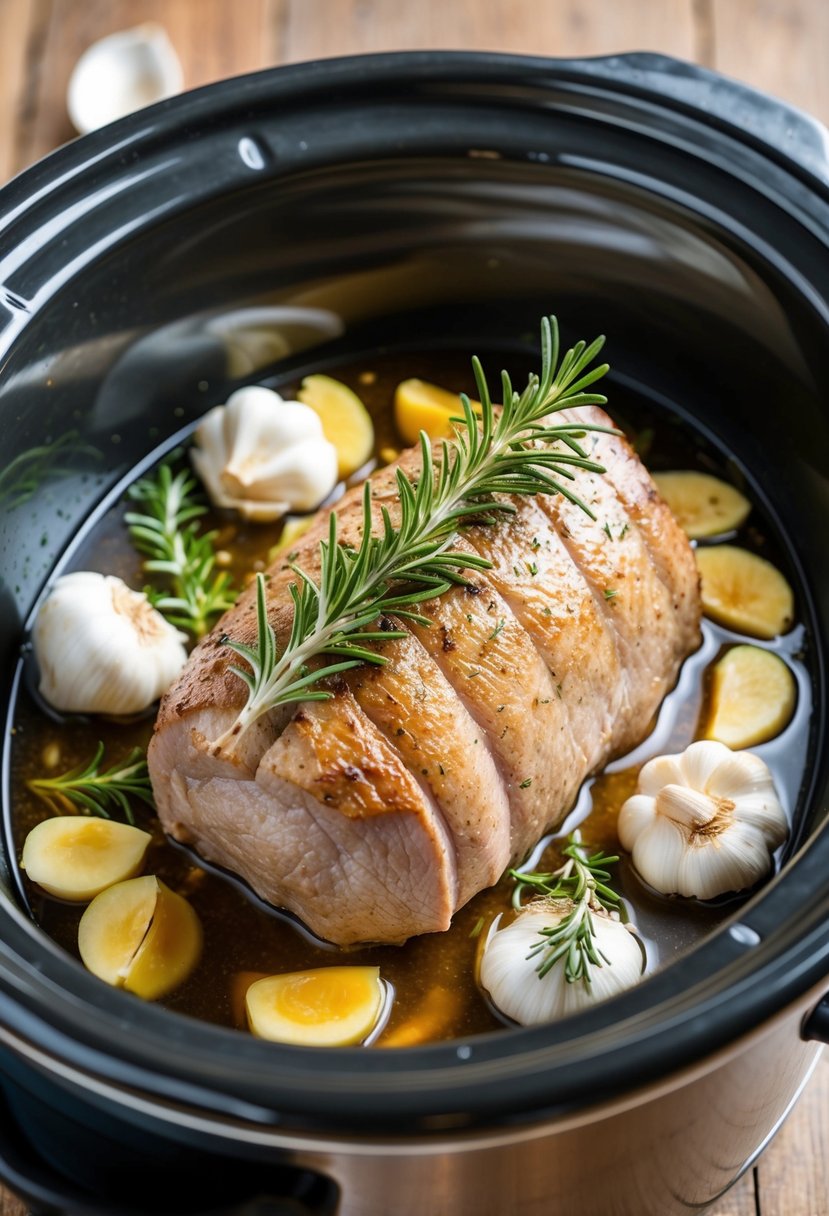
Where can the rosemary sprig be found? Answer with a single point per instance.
(583, 882)
(24, 475)
(168, 534)
(90, 790)
(512, 451)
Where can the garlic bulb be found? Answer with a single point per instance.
(120, 74)
(703, 822)
(263, 456)
(103, 648)
(513, 981)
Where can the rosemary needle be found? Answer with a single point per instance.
(511, 452)
(91, 790)
(582, 882)
(167, 533)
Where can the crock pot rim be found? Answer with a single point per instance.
(722, 993)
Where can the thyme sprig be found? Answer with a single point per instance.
(583, 883)
(90, 789)
(167, 532)
(514, 450)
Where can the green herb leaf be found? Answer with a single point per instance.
(514, 451)
(167, 533)
(23, 476)
(583, 882)
(90, 790)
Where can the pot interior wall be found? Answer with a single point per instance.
(466, 252)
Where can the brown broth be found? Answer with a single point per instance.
(433, 977)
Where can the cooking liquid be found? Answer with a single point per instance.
(435, 992)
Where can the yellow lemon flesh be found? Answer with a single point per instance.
(326, 1007)
(76, 858)
(419, 406)
(345, 420)
(141, 936)
(753, 696)
(744, 592)
(703, 505)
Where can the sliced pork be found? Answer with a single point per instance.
(375, 815)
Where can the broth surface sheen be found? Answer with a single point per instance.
(433, 977)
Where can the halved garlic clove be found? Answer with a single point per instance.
(744, 592)
(122, 73)
(703, 505)
(325, 1007)
(704, 822)
(102, 648)
(420, 406)
(345, 420)
(753, 695)
(262, 456)
(141, 936)
(512, 980)
(76, 858)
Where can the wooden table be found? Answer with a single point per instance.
(779, 45)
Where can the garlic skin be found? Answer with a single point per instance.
(102, 648)
(262, 456)
(120, 74)
(704, 822)
(514, 985)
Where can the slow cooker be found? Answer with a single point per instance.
(433, 199)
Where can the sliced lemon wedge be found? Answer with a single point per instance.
(703, 505)
(744, 592)
(419, 406)
(753, 695)
(141, 936)
(345, 420)
(325, 1007)
(76, 858)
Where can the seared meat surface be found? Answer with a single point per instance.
(374, 816)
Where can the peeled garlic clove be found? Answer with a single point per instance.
(141, 936)
(753, 695)
(120, 74)
(102, 648)
(703, 505)
(326, 1007)
(419, 406)
(744, 592)
(512, 980)
(262, 456)
(76, 858)
(712, 828)
(345, 420)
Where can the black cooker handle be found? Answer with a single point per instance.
(775, 123)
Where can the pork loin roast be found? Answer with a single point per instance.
(375, 815)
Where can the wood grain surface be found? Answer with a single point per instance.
(781, 46)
